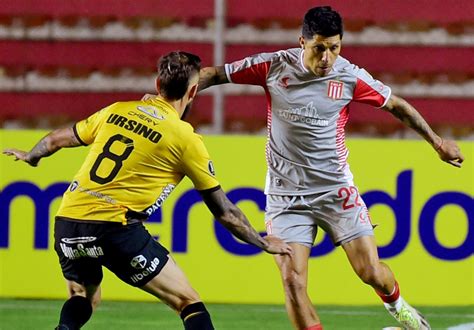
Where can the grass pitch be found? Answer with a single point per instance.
(43, 314)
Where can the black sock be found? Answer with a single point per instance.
(196, 317)
(75, 313)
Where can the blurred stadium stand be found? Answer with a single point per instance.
(62, 60)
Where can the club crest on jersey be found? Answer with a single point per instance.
(335, 89)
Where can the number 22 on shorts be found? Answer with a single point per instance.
(351, 197)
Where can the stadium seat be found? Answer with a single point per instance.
(105, 46)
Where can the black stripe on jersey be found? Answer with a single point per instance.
(74, 129)
(142, 216)
(210, 190)
(98, 222)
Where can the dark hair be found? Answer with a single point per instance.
(174, 72)
(323, 21)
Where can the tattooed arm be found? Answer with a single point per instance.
(447, 150)
(232, 218)
(210, 76)
(48, 145)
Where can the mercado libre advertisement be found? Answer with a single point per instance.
(423, 209)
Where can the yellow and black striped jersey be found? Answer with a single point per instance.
(139, 151)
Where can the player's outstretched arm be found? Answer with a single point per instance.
(48, 145)
(447, 150)
(232, 218)
(210, 76)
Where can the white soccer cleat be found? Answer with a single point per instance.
(408, 317)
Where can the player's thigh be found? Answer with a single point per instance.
(362, 252)
(133, 255)
(172, 286)
(342, 214)
(74, 242)
(294, 269)
(288, 218)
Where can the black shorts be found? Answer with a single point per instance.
(128, 251)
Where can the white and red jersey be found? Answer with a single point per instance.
(306, 151)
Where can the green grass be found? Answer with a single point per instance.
(43, 314)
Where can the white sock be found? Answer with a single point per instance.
(396, 305)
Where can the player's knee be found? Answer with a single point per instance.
(185, 302)
(77, 290)
(188, 298)
(293, 281)
(371, 274)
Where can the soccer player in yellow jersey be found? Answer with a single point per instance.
(139, 151)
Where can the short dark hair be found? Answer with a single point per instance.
(323, 21)
(175, 69)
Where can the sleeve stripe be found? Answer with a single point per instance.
(255, 74)
(74, 128)
(227, 72)
(210, 190)
(387, 98)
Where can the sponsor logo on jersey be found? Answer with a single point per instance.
(144, 117)
(211, 168)
(80, 251)
(159, 201)
(150, 269)
(76, 240)
(76, 186)
(151, 111)
(306, 114)
(335, 89)
(138, 262)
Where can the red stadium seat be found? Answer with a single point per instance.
(244, 108)
(96, 54)
(93, 54)
(120, 9)
(79, 59)
(378, 13)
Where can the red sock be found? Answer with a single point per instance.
(315, 327)
(391, 297)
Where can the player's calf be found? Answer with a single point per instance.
(76, 311)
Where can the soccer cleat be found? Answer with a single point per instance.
(409, 317)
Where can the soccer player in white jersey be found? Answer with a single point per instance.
(309, 184)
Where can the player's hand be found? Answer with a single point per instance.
(149, 97)
(277, 246)
(20, 155)
(449, 152)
